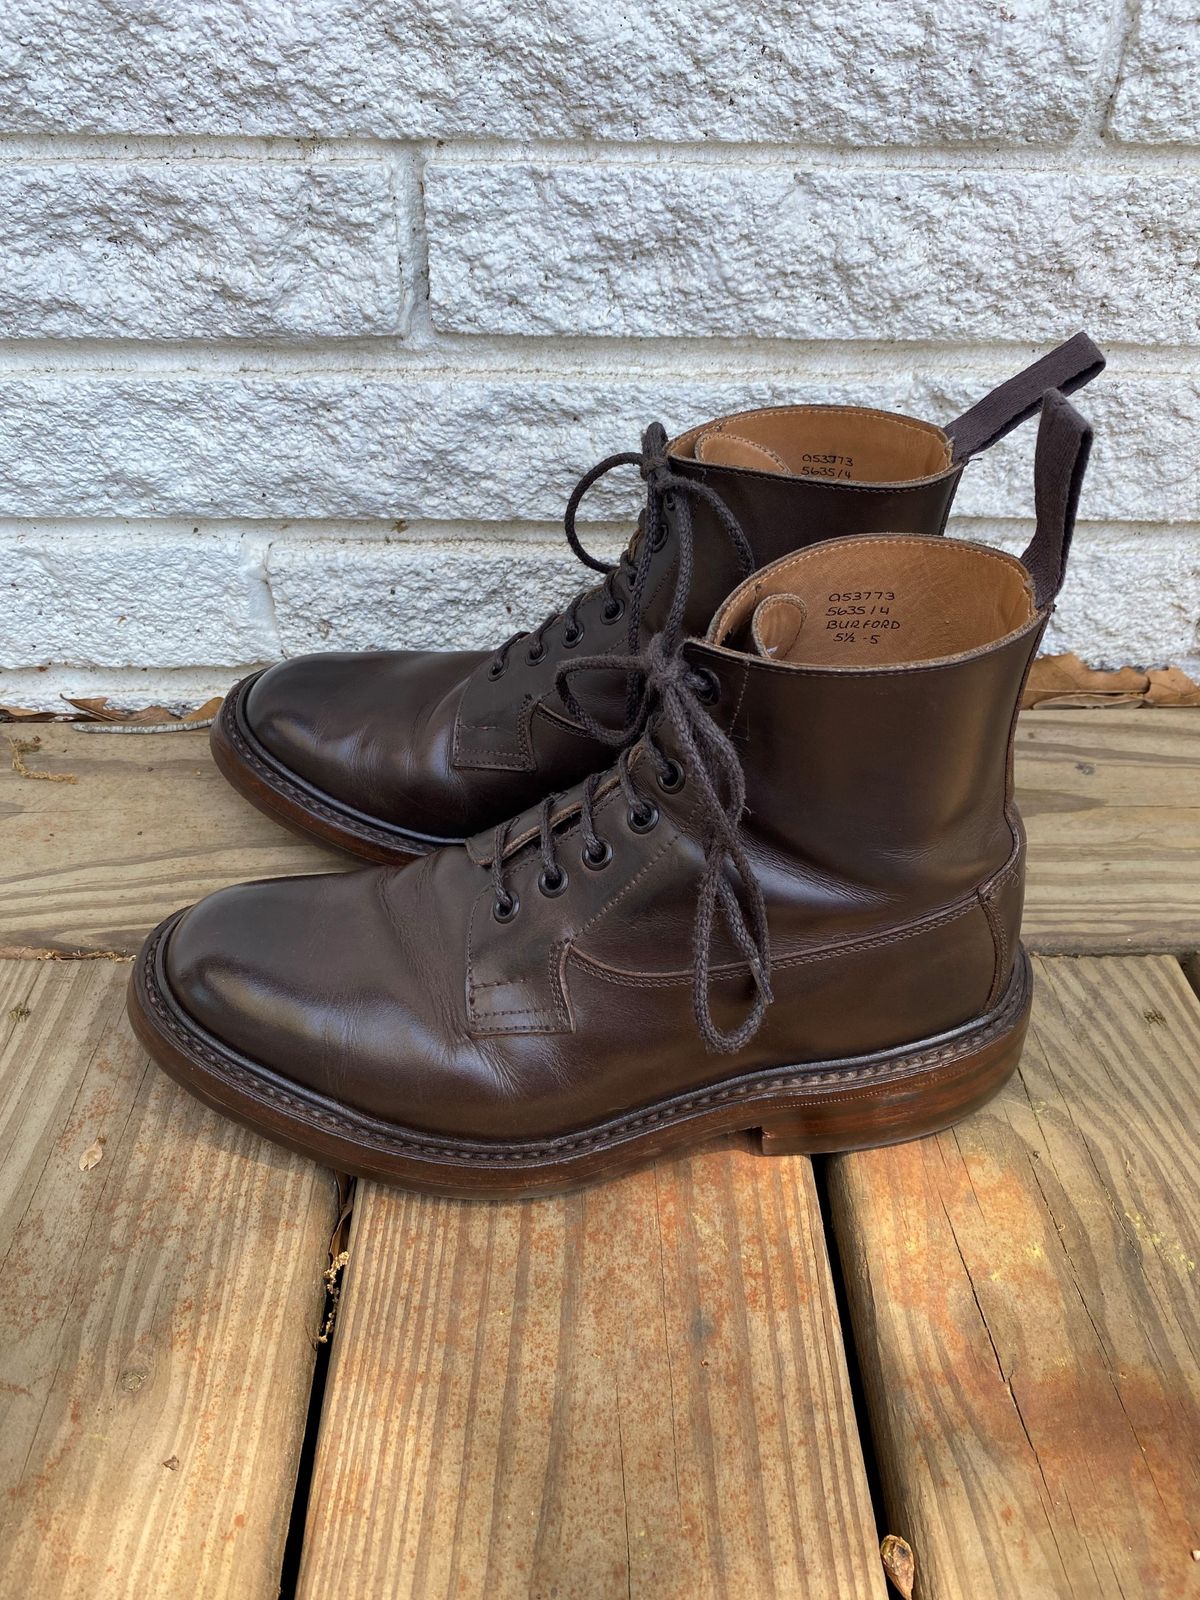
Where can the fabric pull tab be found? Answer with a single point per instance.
(1066, 369)
(1064, 443)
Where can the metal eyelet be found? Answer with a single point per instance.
(643, 821)
(572, 636)
(613, 611)
(708, 690)
(496, 670)
(506, 910)
(671, 779)
(535, 653)
(552, 887)
(598, 862)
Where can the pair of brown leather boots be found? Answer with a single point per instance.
(792, 901)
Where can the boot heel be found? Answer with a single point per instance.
(905, 1094)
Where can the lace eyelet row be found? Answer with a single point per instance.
(551, 885)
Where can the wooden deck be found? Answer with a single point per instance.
(723, 1376)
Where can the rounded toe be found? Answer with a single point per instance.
(372, 732)
(244, 965)
(292, 710)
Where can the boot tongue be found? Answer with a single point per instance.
(776, 624)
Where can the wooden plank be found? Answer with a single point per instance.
(1111, 799)
(1024, 1293)
(157, 1311)
(149, 825)
(636, 1391)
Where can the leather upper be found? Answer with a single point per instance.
(439, 744)
(879, 826)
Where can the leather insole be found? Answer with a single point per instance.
(848, 444)
(878, 600)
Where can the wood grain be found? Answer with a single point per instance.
(157, 1310)
(1111, 799)
(149, 825)
(1024, 1292)
(637, 1391)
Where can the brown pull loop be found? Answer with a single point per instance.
(1064, 443)
(1066, 369)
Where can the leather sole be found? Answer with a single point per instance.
(299, 805)
(823, 1106)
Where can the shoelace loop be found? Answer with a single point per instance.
(679, 695)
(666, 490)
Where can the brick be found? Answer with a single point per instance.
(852, 71)
(104, 598)
(186, 250)
(445, 594)
(1130, 598)
(1158, 94)
(777, 252)
(502, 448)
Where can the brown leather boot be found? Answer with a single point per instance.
(792, 905)
(389, 754)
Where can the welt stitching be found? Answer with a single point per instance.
(279, 782)
(349, 1124)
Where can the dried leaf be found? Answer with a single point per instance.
(22, 714)
(23, 747)
(1084, 702)
(206, 712)
(1065, 679)
(99, 709)
(172, 1463)
(92, 1155)
(99, 713)
(899, 1563)
(1171, 687)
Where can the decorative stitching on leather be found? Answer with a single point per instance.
(785, 963)
(651, 860)
(909, 669)
(347, 1124)
(863, 541)
(557, 1019)
(999, 946)
(911, 424)
(523, 761)
(986, 891)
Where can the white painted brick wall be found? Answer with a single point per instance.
(310, 316)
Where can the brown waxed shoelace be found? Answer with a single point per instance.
(669, 691)
(666, 490)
